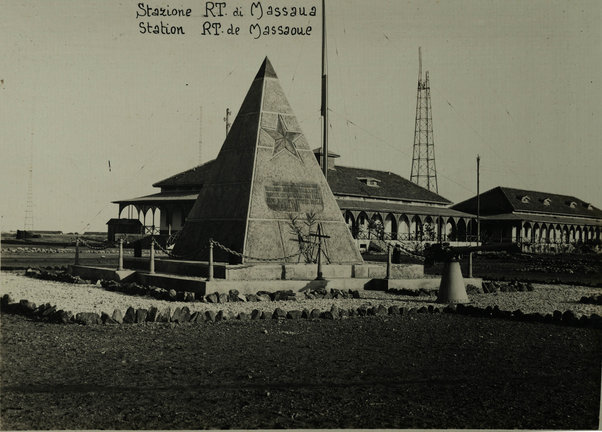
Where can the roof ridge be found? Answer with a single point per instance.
(542, 193)
(508, 200)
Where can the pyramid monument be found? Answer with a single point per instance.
(266, 193)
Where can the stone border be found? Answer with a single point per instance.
(135, 288)
(593, 299)
(50, 314)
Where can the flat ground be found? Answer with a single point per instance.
(413, 371)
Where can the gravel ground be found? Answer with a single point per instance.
(91, 298)
(381, 372)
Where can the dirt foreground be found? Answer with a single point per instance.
(413, 371)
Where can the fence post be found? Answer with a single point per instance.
(120, 255)
(152, 256)
(210, 278)
(77, 251)
(388, 261)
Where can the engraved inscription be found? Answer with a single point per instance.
(294, 197)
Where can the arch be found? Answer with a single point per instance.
(403, 228)
(349, 218)
(416, 228)
(376, 217)
(544, 233)
(350, 222)
(526, 234)
(461, 230)
(471, 230)
(390, 226)
(362, 223)
(557, 234)
(450, 229)
(376, 226)
(565, 234)
(429, 229)
(536, 232)
(571, 234)
(133, 212)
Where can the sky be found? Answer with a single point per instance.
(517, 82)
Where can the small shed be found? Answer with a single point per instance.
(123, 226)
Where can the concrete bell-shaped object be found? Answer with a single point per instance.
(452, 288)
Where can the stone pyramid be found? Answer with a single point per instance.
(265, 182)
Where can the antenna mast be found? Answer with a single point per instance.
(424, 172)
(324, 158)
(28, 225)
(201, 136)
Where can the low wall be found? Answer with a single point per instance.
(203, 287)
(180, 267)
(98, 273)
(178, 283)
(263, 272)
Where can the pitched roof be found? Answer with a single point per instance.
(500, 200)
(162, 196)
(348, 181)
(532, 201)
(194, 177)
(342, 180)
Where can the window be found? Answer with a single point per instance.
(573, 204)
(370, 181)
(525, 199)
(547, 202)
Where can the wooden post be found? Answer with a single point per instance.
(388, 261)
(77, 251)
(319, 236)
(320, 275)
(210, 278)
(152, 256)
(120, 255)
(478, 202)
(470, 265)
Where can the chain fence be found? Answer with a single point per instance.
(240, 255)
(99, 247)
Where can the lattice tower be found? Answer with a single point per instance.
(424, 172)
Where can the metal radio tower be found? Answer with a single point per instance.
(28, 225)
(424, 172)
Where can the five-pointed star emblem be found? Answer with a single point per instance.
(284, 138)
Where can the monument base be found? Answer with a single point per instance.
(366, 277)
(246, 272)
